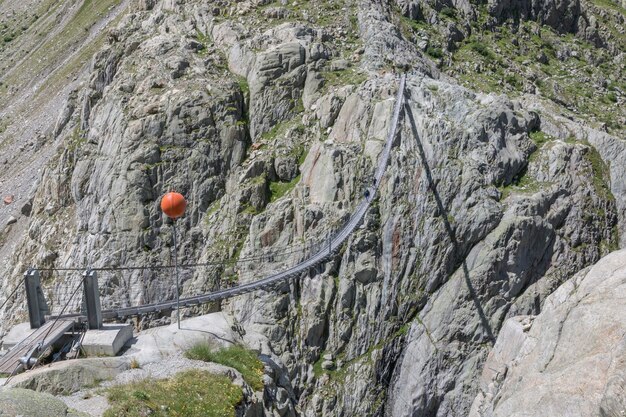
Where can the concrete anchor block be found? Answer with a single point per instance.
(108, 340)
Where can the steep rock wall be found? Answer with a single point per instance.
(273, 133)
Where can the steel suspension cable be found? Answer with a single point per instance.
(192, 265)
(17, 287)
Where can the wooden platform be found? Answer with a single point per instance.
(51, 331)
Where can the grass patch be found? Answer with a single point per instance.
(243, 360)
(279, 189)
(243, 85)
(600, 174)
(348, 76)
(205, 41)
(249, 209)
(496, 60)
(190, 393)
(448, 12)
(539, 138)
(77, 139)
(522, 184)
(608, 4)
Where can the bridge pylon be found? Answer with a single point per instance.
(92, 299)
(37, 306)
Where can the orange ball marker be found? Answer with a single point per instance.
(173, 205)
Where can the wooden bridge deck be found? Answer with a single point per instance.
(10, 361)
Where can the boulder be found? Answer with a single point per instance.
(571, 361)
(67, 377)
(16, 402)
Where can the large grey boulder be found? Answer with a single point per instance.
(67, 377)
(16, 402)
(570, 360)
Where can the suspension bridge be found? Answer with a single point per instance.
(49, 328)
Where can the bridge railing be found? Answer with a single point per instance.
(58, 289)
(124, 288)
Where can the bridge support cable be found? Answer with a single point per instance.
(10, 296)
(325, 252)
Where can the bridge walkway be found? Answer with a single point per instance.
(36, 342)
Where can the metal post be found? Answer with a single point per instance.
(92, 299)
(176, 272)
(34, 296)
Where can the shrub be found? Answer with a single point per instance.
(279, 189)
(434, 52)
(134, 364)
(539, 138)
(449, 12)
(482, 49)
(611, 97)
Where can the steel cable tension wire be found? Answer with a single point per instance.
(67, 303)
(193, 265)
(17, 287)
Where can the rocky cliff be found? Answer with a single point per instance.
(505, 179)
(576, 344)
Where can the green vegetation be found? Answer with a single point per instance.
(213, 208)
(249, 209)
(76, 139)
(205, 41)
(339, 375)
(243, 360)
(292, 125)
(349, 76)
(279, 189)
(480, 47)
(519, 57)
(49, 56)
(408, 25)
(522, 184)
(613, 243)
(243, 85)
(600, 174)
(190, 393)
(434, 52)
(322, 13)
(540, 138)
(448, 12)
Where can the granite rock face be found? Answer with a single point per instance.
(272, 127)
(568, 360)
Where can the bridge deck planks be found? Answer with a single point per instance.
(10, 361)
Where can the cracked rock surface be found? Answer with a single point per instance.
(576, 344)
(270, 119)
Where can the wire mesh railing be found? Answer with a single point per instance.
(58, 291)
